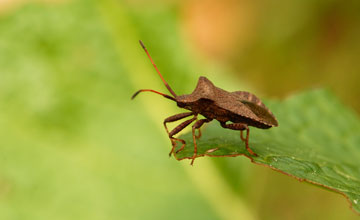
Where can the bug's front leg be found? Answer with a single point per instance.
(241, 127)
(176, 130)
(172, 119)
(197, 125)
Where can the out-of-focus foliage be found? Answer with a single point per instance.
(283, 46)
(73, 145)
(309, 144)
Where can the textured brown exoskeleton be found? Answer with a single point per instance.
(241, 108)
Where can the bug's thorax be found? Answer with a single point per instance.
(196, 101)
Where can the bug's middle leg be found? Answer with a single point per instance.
(241, 127)
(241, 136)
(197, 125)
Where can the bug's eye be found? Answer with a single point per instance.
(181, 104)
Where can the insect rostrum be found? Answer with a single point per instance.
(234, 110)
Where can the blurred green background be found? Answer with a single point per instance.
(73, 145)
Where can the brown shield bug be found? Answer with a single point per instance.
(241, 109)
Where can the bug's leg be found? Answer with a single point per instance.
(197, 125)
(176, 118)
(241, 127)
(176, 130)
(199, 130)
(172, 119)
(241, 136)
(247, 142)
(199, 134)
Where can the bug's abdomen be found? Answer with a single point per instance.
(211, 111)
(250, 122)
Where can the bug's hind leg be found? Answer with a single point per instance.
(247, 142)
(172, 119)
(197, 125)
(241, 127)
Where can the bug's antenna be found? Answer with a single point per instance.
(150, 90)
(157, 70)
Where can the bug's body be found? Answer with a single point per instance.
(234, 110)
(237, 107)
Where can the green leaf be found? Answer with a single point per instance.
(318, 141)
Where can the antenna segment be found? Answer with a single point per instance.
(150, 90)
(157, 70)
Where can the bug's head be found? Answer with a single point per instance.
(182, 101)
(181, 104)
